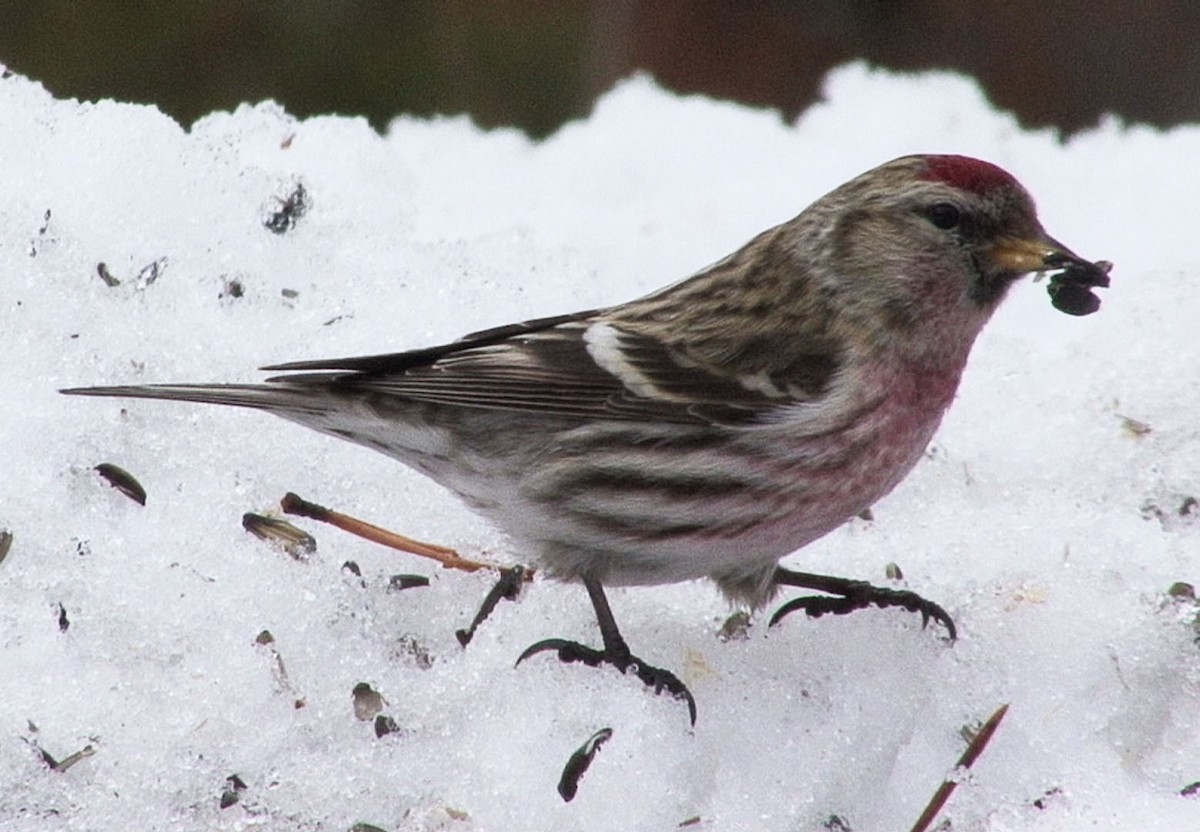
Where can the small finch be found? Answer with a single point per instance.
(713, 427)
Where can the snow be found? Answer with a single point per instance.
(1049, 524)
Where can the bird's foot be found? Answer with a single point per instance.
(847, 595)
(624, 661)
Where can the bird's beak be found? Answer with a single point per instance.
(1070, 288)
(1021, 255)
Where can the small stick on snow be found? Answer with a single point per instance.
(448, 558)
(968, 758)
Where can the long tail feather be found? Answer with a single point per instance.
(274, 397)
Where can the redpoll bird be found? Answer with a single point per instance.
(719, 424)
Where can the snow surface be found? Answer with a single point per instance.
(1049, 524)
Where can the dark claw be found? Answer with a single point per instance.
(860, 595)
(568, 652)
(661, 680)
(650, 676)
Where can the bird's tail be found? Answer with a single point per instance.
(315, 401)
(277, 398)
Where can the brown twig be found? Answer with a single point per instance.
(448, 558)
(974, 749)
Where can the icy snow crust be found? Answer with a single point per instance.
(1048, 524)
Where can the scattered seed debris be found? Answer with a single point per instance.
(1134, 427)
(1183, 595)
(291, 208)
(109, 280)
(64, 623)
(66, 762)
(893, 572)
(1171, 511)
(970, 731)
(123, 481)
(736, 627)
(396, 583)
(150, 273)
(71, 759)
(231, 288)
(508, 586)
(368, 702)
(6, 539)
(1182, 590)
(41, 233)
(385, 725)
(578, 763)
(296, 542)
(409, 646)
(1044, 801)
(278, 671)
(232, 793)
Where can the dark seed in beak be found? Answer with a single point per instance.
(1071, 288)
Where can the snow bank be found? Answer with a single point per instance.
(1056, 507)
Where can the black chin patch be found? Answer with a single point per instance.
(989, 290)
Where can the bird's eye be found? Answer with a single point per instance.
(944, 215)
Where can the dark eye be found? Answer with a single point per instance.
(944, 215)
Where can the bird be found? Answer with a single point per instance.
(713, 427)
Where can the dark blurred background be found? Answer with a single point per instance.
(537, 63)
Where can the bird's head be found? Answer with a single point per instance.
(933, 243)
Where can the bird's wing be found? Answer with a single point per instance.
(579, 365)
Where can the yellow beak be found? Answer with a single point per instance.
(1074, 278)
(1037, 254)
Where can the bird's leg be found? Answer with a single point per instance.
(616, 652)
(508, 587)
(846, 595)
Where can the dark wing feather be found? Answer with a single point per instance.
(398, 362)
(545, 366)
